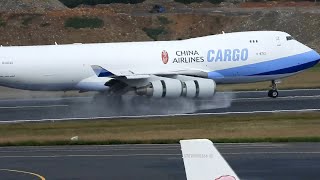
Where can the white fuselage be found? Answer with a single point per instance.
(227, 58)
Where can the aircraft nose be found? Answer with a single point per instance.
(316, 56)
(311, 58)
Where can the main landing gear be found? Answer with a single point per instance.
(273, 92)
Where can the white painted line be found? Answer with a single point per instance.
(24, 107)
(255, 112)
(156, 116)
(46, 98)
(284, 90)
(133, 147)
(91, 150)
(88, 155)
(250, 153)
(128, 155)
(24, 172)
(286, 97)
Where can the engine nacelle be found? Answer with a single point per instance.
(195, 88)
(162, 88)
(200, 88)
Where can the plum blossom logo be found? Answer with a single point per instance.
(165, 57)
(226, 177)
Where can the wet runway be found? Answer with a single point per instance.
(224, 103)
(285, 161)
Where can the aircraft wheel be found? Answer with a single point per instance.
(273, 93)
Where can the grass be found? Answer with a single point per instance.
(164, 20)
(198, 1)
(284, 127)
(153, 33)
(84, 22)
(315, 68)
(75, 3)
(45, 24)
(2, 22)
(26, 21)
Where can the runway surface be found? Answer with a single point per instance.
(293, 161)
(223, 103)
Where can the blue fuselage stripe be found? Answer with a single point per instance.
(290, 64)
(290, 70)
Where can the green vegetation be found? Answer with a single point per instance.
(163, 20)
(2, 22)
(45, 24)
(153, 33)
(160, 141)
(281, 127)
(316, 68)
(84, 22)
(75, 3)
(26, 21)
(199, 1)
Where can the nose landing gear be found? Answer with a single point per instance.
(273, 92)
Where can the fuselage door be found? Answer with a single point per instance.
(278, 41)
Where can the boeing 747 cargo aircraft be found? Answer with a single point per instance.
(161, 69)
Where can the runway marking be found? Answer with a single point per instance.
(284, 90)
(134, 155)
(89, 150)
(156, 116)
(88, 155)
(147, 145)
(23, 107)
(250, 153)
(285, 97)
(45, 99)
(24, 172)
(127, 148)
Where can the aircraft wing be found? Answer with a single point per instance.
(203, 161)
(173, 83)
(130, 74)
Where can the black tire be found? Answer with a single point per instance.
(273, 93)
(269, 93)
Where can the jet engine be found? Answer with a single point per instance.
(172, 88)
(162, 88)
(199, 88)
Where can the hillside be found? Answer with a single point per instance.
(30, 5)
(45, 23)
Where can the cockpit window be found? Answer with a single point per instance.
(289, 38)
